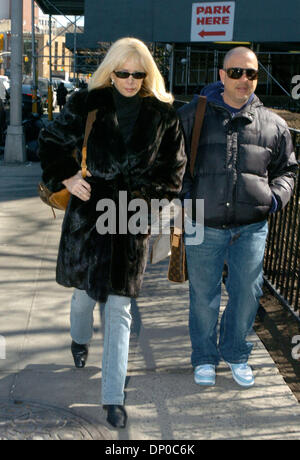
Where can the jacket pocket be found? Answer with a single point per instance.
(255, 190)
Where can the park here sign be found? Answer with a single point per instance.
(212, 21)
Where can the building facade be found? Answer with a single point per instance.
(62, 58)
(187, 21)
(192, 37)
(5, 13)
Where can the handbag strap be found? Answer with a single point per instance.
(199, 117)
(88, 127)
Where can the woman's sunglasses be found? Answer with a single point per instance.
(136, 75)
(236, 72)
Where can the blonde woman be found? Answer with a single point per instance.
(135, 146)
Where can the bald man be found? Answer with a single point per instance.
(245, 169)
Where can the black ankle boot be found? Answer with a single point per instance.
(116, 415)
(80, 354)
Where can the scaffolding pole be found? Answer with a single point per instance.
(75, 51)
(50, 94)
(59, 12)
(34, 72)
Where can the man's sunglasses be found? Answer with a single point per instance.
(236, 72)
(136, 75)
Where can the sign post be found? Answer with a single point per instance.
(14, 143)
(212, 21)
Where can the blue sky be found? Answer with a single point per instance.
(65, 22)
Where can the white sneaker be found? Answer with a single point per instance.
(242, 374)
(205, 374)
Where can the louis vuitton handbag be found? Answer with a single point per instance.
(60, 200)
(177, 271)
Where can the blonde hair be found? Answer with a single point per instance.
(118, 54)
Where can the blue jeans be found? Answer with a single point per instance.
(243, 250)
(117, 319)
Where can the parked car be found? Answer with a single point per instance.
(43, 84)
(27, 91)
(3, 126)
(5, 81)
(69, 86)
(3, 92)
(56, 81)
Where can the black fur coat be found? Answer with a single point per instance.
(150, 165)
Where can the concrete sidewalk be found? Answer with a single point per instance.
(42, 395)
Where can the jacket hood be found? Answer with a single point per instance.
(213, 93)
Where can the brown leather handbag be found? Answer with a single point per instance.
(177, 271)
(60, 200)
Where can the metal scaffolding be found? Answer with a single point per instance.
(61, 8)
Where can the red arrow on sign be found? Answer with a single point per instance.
(203, 33)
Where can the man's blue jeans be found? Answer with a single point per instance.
(243, 250)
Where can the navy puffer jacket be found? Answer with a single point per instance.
(242, 160)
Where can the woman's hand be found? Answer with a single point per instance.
(78, 186)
